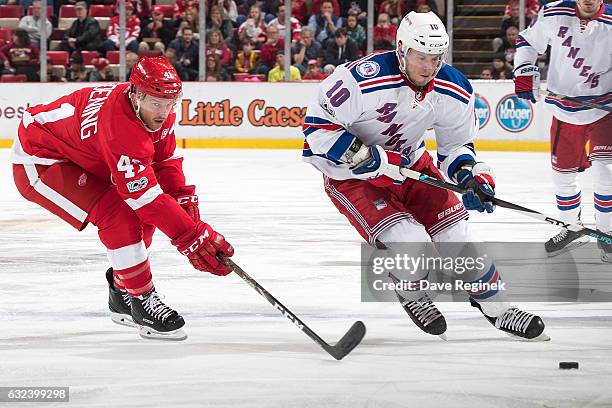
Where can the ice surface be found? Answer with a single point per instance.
(56, 329)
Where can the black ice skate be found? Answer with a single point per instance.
(118, 303)
(425, 315)
(517, 323)
(564, 241)
(606, 249)
(155, 319)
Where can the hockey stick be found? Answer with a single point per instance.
(577, 100)
(415, 175)
(347, 343)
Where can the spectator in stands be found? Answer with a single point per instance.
(31, 24)
(278, 72)
(531, 8)
(342, 50)
(187, 54)
(20, 56)
(84, 34)
(511, 20)
(395, 9)
(191, 20)
(325, 23)
(299, 10)
(486, 73)
(142, 10)
(316, 6)
(131, 59)
(384, 33)
(181, 5)
(507, 46)
(422, 6)
(158, 30)
(246, 60)
(52, 75)
(355, 31)
(279, 23)
(229, 10)
(76, 70)
(214, 70)
(313, 72)
(216, 46)
(499, 67)
(132, 23)
(102, 71)
(306, 49)
(170, 55)
(224, 26)
(269, 51)
(254, 27)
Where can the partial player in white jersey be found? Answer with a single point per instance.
(368, 120)
(580, 36)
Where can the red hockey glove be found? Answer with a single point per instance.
(527, 82)
(201, 246)
(189, 201)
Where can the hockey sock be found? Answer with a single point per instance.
(602, 172)
(568, 196)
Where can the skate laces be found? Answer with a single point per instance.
(127, 299)
(153, 305)
(423, 309)
(560, 236)
(515, 320)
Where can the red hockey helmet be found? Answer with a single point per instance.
(157, 77)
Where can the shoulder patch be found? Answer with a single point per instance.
(368, 69)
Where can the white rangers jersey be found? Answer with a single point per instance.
(369, 99)
(580, 60)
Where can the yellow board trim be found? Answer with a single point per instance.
(485, 145)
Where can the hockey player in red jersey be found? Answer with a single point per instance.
(105, 155)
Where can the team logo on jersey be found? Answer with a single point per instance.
(482, 109)
(513, 113)
(368, 69)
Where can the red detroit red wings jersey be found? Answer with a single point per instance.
(97, 129)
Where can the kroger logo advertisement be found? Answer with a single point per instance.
(482, 110)
(514, 114)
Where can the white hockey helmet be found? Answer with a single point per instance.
(423, 32)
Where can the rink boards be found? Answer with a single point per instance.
(269, 115)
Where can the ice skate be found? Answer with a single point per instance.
(517, 323)
(425, 315)
(606, 250)
(119, 303)
(155, 319)
(565, 241)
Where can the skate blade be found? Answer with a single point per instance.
(122, 320)
(175, 335)
(443, 336)
(606, 257)
(542, 337)
(573, 245)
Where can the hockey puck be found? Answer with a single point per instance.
(567, 365)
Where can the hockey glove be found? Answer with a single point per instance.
(381, 167)
(189, 201)
(201, 246)
(527, 82)
(480, 185)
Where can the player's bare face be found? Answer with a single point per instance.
(154, 111)
(420, 67)
(588, 8)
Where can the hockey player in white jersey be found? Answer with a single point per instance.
(580, 36)
(368, 120)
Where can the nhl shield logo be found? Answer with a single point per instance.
(368, 69)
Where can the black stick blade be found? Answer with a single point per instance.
(348, 342)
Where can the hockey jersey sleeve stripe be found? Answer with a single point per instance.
(450, 85)
(330, 126)
(340, 146)
(452, 168)
(521, 42)
(315, 120)
(149, 195)
(451, 93)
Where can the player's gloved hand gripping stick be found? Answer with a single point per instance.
(415, 175)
